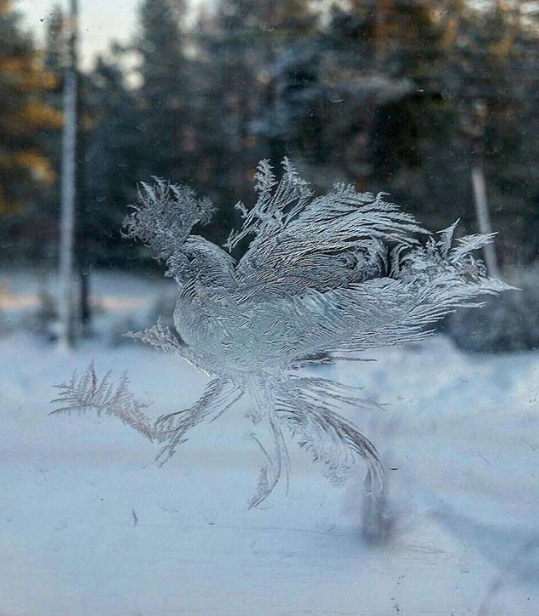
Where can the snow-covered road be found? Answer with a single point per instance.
(90, 525)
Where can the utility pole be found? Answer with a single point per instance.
(67, 299)
(479, 186)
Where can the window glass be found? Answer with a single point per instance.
(269, 307)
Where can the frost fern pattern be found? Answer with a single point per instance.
(323, 278)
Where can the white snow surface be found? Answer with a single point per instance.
(90, 525)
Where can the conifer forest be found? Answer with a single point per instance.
(269, 307)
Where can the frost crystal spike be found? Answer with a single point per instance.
(323, 278)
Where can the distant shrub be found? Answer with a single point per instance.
(507, 322)
(45, 320)
(4, 328)
(163, 308)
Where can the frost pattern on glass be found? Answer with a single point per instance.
(88, 393)
(323, 278)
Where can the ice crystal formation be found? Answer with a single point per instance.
(323, 278)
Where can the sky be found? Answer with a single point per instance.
(101, 21)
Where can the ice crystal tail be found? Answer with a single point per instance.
(308, 407)
(323, 277)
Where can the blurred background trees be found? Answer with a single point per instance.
(379, 93)
(27, 120)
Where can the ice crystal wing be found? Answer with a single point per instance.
(426, 282)
(468, 244)
(322, 243)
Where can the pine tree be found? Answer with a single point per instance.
(24, 112)
(112, 161)
(250, 37)
(164, 91)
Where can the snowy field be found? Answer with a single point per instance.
(89, 525)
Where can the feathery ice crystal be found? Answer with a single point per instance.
(323, 279)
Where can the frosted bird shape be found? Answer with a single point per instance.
(322, 279)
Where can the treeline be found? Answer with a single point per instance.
(394, 95)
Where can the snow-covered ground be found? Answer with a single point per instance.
(90, 525)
